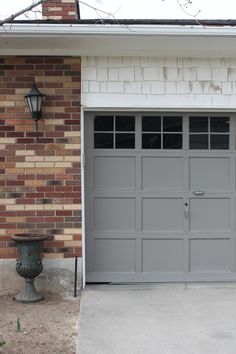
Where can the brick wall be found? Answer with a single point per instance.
(60, 9)
(159, 82)
(40, 182)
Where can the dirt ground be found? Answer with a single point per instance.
(49, 326)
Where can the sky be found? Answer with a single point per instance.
(147, 9)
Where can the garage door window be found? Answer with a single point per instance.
(209, 133)
(162, 132)
(114, 132)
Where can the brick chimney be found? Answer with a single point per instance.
(60, 10)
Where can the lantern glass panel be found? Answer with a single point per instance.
(34, 102)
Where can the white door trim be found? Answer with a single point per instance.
(82, 195)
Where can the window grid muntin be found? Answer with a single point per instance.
(163, 132)
(209, 133)
(114, 132)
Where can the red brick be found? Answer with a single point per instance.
(16, 122)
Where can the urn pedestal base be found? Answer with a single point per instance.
(29, 294)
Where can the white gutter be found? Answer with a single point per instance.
(32, 30)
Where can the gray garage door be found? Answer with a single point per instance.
(160, 197)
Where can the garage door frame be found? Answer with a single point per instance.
(227, 276)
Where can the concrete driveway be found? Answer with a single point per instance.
(158, 319)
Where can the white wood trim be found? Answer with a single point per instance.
(82, 197)
(160, 109)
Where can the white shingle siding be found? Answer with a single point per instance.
(102, 74)
(204, 74)
(113, 74)
(133, 87)
(159, 82)
(150, 74)
(126, 74)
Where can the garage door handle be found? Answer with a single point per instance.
(186, 211)
(198, 192)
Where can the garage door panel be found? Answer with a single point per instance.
(210, 214)
(114, 173)
(114, 214)
(162, 214)
(163, 255)
(114, 255)
(157, 173)
(209, 255)
(209, 173)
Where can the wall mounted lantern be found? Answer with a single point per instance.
(35, 101)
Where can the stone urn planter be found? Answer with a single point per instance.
(29, 264)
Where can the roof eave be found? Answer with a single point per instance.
(91, 39)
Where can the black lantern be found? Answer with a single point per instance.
(35, 100)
